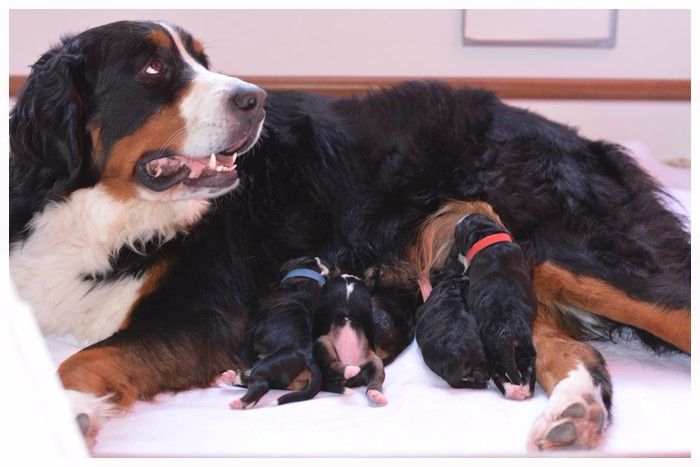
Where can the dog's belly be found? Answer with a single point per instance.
(74, 239)
(349, 345)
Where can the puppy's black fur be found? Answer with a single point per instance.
(502, 300)
(344, 333)
(281, 338)
(447, 332)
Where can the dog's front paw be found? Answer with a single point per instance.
(90, 413)
(511, 358)
(575, 416)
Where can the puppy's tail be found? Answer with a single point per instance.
(309, 392)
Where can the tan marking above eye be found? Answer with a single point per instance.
(160, 38)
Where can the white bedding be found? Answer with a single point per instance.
(424, 417)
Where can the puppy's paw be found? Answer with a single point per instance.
(575, 416)
(238, 404)
(227, 378)
(377, 397)
(511, 358)
(350, 371)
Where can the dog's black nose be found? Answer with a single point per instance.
(248, 97)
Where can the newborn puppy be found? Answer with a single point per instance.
(502, 299)
(447, 332)
(344, 337)
(281, 337)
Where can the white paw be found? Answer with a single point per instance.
(575, 416)
(227, 378)
(377, 397)
(515, 392)
(238, 404)
(350, 371)
(90, 413)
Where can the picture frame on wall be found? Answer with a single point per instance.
(540, 28)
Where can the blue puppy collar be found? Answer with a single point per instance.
(308, 273)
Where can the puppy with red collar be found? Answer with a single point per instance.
(502, 299)
(281, 338)
(478, 307)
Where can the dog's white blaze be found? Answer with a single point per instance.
(348, 290)
(209, 121)
(76, 237)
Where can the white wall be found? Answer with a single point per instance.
(650, 44)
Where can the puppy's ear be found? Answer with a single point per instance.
(371, 277)
(47, 125)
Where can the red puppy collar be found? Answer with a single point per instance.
(486, 242)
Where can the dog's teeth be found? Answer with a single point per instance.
(212, 161)
(235, 156)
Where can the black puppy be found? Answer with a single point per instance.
(502, 299)
(447, 332)
(344, 333)
(281, 337)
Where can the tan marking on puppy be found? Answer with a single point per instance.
(160, 38)
(164, 130)
(300, 381)
(558, 285)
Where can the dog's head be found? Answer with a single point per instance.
(133, 105)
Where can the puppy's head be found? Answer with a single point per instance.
(473, 228)
(134, 106)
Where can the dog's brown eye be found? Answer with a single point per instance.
(154, 67)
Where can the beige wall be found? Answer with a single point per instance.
(651, 44)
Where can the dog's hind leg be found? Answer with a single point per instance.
(328, 361)
(577, 382)
(376, 380)
(567, 290)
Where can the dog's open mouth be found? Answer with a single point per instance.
(160, 170)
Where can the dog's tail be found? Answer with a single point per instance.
(309, 392)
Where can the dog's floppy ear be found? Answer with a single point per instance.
(47, 125)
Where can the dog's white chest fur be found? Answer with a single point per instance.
(77, 237)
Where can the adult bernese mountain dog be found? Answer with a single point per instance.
(151, 201)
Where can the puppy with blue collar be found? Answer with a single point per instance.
(281, 338)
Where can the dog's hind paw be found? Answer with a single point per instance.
(575, 416)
